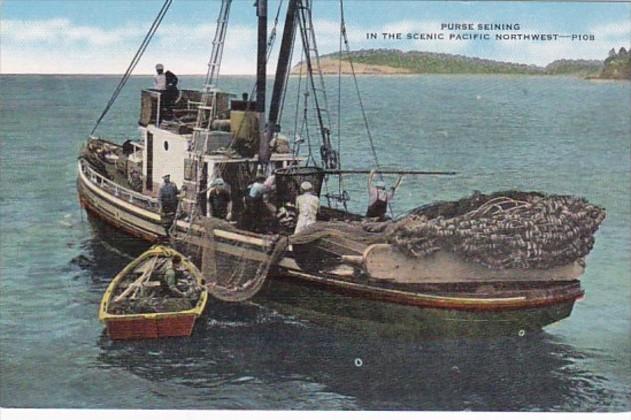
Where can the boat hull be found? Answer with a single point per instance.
(296, 291)
(413, 319)
(143, 328)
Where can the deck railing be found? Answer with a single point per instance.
(133, 197)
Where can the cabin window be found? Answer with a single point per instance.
(166, 145)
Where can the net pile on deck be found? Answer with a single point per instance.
(142, 291)
(504, 230)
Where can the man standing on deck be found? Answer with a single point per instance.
(256, 211)
(219, 201)
(307, 205)
(135, 180)
(168, 198)
(378, 197)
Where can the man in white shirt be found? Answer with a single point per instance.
(308, 205)
(166, 82)
(160, 79)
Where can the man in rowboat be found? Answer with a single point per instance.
(169, 285)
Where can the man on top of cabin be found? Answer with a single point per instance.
(378, 197)
(167, 83)
(307, 205)
(219, 200)
(168, 198)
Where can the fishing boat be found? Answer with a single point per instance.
(507, 261)
(135, 307)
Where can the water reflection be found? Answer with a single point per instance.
(242, 343)
(306, 365)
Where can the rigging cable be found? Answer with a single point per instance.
(298, 98)
(284, 93)
(132, 65)
(272, 36)
(359, 97)
(340, 180)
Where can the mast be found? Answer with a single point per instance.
(282, 68)
(261, 64)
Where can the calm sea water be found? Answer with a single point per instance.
(561, 135)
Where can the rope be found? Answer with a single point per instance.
(132, 65)
(340, 182)
(359, 97)
(284, 94)
(297, 110)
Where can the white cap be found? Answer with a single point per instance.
(217, 182)
(306, 186)
(159, 67)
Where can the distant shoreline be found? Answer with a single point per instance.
(293, 75)
(388, 62)
(397, 62)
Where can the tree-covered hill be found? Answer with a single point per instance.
(392, 61)
(617, 65)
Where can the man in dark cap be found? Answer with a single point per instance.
(168, 198)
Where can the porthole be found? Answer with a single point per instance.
(166, 145)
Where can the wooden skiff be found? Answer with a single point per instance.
(151, 325)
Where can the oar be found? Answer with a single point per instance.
(145, 275)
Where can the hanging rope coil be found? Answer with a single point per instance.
(134, 61)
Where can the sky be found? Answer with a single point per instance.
(101, 37)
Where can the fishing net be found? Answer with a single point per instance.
(235, 271)
(356, 231)
(503, 230)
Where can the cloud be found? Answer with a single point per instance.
(607, 36)
(59, 45)
(621, 30)
(38, 46)
(63, 30)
